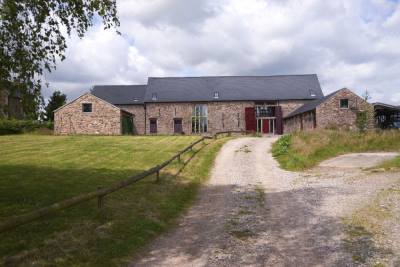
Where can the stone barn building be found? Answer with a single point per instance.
(336, 110)
(205, 105)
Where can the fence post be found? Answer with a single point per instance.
(100, 200)
(158, 176)
(179, 158)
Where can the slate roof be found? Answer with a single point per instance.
(120, 94)
(311, 105)
(233, 88)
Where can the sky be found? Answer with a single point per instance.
(353, 44)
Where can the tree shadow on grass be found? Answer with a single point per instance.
(130, 218)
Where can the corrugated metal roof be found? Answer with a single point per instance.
(120, 94)
(233, 88)
(384, 105)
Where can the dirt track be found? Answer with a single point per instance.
(253, 213)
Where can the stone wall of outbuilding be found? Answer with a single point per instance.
(105, 119)
(330, 114)
(301, 122)
(139, 122)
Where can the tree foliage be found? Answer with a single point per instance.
(56, 100)
(33, 36)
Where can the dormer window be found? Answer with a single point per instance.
(216, 95)
(154, 96)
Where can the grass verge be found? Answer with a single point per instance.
(366, 229)
(38, 170)
(303, 150)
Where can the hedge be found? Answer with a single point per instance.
(22, 126)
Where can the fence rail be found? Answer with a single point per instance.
(100, 193)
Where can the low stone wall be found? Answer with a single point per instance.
(105, 119)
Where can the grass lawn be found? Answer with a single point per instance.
(304, 150)
(38, 170)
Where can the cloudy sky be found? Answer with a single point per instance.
(348, 43)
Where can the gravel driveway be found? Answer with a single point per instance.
(251, 212)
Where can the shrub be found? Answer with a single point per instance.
(281, 147)
(22, 126)
(361, 121)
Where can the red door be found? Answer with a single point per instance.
(265, 126)
(250, 119)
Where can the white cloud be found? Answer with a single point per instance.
(347, 43)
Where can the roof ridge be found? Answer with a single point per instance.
(232, 76)
(102, 85)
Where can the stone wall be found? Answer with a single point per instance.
(105, 119)
(222, 116)
(288, 106)
(329, 113)
(165, 114)
(138, 112)
(227, 116)
(301, 122)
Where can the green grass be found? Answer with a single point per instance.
(38, 170)
(304, 150)
(365, 228)
(391, 164)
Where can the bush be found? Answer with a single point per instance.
(362, 121)
(281, 147)
(22, 126)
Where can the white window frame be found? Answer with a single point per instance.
(200, 119)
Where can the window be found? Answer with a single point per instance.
(344, 103)
(313, 93)
(154, 96)
(216, 95)
(87, 107)
(135, 99)
(199, 119)
(153, 126)
(265, 111)
(178, 126)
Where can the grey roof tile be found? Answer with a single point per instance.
(310, 106)
(233, 88)
(120, 94)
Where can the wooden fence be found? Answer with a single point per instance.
(100, 193)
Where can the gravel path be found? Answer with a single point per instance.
(251, 212)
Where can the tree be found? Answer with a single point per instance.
(366, 96)
(56, 100)
(33, 36)
(363, 116)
